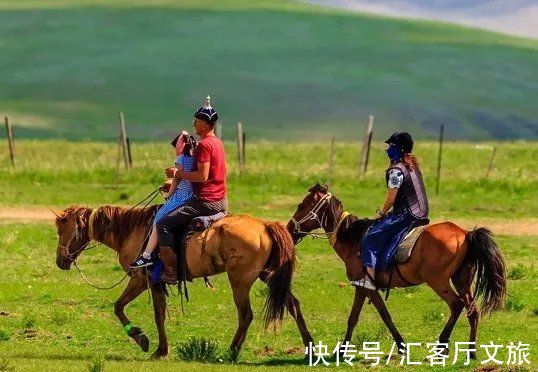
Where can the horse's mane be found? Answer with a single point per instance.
(352, 229)
(120, 221)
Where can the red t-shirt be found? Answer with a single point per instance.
(211, 150)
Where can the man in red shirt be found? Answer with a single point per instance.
(209, 183)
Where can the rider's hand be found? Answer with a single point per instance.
(165, 187)
(379, 215)
(170, 172)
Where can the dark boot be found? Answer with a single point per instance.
(169, 259)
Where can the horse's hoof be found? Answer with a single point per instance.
(401, 349)
(159, 354)
(143, 342)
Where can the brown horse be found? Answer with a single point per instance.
(444, 253)
(245, 247)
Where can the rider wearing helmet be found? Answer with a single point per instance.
(405, 207)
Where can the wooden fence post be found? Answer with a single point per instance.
(490, 167)
(11, 144)
(123, 140)
(240, 146)
(243, 148)
(365, 153)
(129, 156)
(331, 163)
(439, 159)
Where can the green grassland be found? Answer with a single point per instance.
(55, 321)
(286, 69)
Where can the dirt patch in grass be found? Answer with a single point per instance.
(525, 226)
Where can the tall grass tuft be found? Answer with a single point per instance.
(4, 335)
(518, 272)
(230, 356)
(514, 304)
(28, 322)
(97, 365)
(199, 350)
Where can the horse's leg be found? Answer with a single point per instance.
(358, 302)
(159, 309)
(294, 308)
(137, 284)
(241, 289)
(462, 280)
(455, 304)
(376, 299)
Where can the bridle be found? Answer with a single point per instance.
(75, 235)
(314, 215)
(72, 256)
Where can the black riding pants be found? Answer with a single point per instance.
(182, 216)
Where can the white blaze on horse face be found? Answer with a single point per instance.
(69, 241)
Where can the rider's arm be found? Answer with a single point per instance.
(389, 201)
(203, 158)
(173, 187)
(395, 180)
(200, 175)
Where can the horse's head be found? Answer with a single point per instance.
(311, 213)
(73, 237)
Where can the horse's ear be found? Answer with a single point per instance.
(325, 188)
(80, 220)
(316, 188)
(57, 214)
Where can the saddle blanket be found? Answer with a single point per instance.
(408, 243)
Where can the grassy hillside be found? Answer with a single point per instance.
(286, 69)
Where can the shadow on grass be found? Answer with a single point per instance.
(113, 357)
(277, 361)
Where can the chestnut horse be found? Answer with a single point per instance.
(245, 247)
(443, 253)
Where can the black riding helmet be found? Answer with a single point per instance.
(403, 140)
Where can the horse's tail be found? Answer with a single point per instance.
(279, 268)
(490, 269)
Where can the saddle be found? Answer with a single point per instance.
(201, 223)
(176, 270)
(405, 248)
